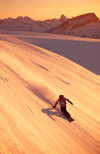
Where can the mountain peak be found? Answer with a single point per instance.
(90, 16)
(63, 18)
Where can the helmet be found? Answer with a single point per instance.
(61, 96)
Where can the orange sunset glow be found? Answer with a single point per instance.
(49, 76)
(44, 9)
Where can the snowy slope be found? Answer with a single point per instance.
(31, 78)
(48, 24)
(83, 51)
(91, 30)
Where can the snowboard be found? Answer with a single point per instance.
(70, 119)
(68, 116)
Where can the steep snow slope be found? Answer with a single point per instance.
(83, 51)
(31, 79)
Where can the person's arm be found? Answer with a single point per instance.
(55, 104)
(69, 101)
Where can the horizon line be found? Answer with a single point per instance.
(47, 18)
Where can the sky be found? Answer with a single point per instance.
(46, 9)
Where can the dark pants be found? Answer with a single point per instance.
(63, 109)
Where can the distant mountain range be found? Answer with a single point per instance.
(28, 24)
(86, 25)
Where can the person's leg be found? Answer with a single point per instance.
(63, 109)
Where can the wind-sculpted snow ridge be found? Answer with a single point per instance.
(31, 78)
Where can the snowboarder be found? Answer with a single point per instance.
(62, 101)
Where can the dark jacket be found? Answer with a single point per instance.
(62, 102)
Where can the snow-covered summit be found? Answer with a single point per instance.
(28, 24)
(20, 24)
(75, 25)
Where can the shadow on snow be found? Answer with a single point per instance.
(51, 113)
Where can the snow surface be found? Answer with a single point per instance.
(91, 30)
(83, 51)
(31, 78)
